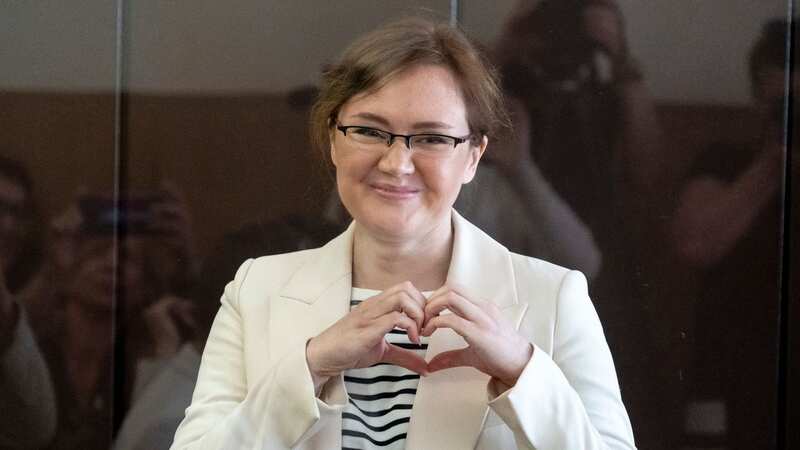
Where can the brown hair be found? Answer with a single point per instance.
(374, 58)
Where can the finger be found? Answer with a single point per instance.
(396, 319)
(463, 327)
(432, 299)
(488, 307)
(412, 291)
(450, 359)
(459, 305)
(412, 309)
(401, 301)
(440, 291)
(405, 358)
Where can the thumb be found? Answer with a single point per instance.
(405, 358)
(450, 359)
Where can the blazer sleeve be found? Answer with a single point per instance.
(277, 411)
(570, 399)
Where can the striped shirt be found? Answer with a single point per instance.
(380, 397)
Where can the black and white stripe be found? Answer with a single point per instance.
(381, 396)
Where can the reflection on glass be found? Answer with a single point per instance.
(727, 225)
(671, 286)
(57, 116)
(593, 134)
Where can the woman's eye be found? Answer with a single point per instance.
(368, 132)
(432, 140)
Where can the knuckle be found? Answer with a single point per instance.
(410, 306)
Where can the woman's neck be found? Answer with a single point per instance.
(380, 263)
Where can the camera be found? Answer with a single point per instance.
(128, 214)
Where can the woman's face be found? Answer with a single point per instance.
(392, 192)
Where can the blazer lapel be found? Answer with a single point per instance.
(450, 406)
(319, 293)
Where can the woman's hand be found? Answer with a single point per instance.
(357, 339)
(495, 348)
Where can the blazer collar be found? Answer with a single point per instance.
(479, 265)
(330, 264)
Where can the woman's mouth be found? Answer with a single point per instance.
(394, 192)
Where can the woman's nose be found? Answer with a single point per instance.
(397, 159)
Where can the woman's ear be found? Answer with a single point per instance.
(475, 154)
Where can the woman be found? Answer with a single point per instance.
(405, 116)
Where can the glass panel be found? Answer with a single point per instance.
(217, 105)
(648, 121)
(792, 319)
(57, 152)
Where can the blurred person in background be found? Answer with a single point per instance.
(592, 124)
(592, 131)
(26, 392)
(727, 226)
(104, 271)
(165, 383)
(543, 223)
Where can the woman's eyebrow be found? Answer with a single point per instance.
(431, 124)
(373, 117)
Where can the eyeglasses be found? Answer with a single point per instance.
(427, 143)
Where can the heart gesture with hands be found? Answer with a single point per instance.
(357, 340)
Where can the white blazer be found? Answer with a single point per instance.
(254, 389)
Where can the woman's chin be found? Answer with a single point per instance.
(393, 226)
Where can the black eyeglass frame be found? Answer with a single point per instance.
(407, 137)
